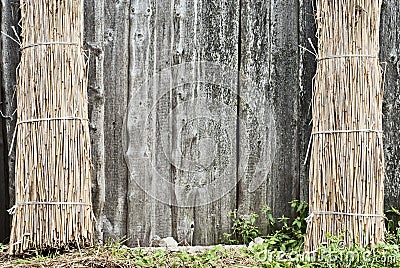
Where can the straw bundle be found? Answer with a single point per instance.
(53, 206)
(347, 162)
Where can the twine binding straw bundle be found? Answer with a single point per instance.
(347, 162)
(53, 169)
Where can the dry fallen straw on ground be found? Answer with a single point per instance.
(52, 141)
(347, 163)
(115, 255)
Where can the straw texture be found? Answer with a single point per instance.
(53, 170)
(347, 162)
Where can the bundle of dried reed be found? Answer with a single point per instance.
(53, 170)
(347, 162)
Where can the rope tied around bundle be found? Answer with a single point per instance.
(41, 120)
(329, 57)
(12, 210)
(312, 214)
(309, 218)
(49, 44)
(366, 130)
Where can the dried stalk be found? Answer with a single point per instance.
(347, 168)
(52, 141)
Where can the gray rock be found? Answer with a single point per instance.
(170, 242)
(258, 240)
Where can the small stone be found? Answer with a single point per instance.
(258, 240)
(251, 244)
(170, 242)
